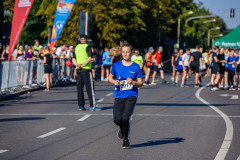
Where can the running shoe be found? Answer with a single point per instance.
(239, 88)
(196, 86)
(82, 108)
(95, 109)
(153, 84)
(182, 85)
(47, 90)
(119, 134)
(145, 84)
(176, 84)
(164, 82)
(126, 144)
(172, 79)
(232, 89)
(215, 89)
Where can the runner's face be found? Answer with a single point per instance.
(126, 53)
(136, 52)
(221, 51)
(181, 52)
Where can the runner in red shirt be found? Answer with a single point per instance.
(158, 66)
(149, 61)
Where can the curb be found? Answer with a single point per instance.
(25, 91)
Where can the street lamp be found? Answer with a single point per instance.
(189, 19)
(216, 28)
(179, 26)
(208, 21)
(219, 35)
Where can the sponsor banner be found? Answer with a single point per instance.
(63, 10)
(21, 10)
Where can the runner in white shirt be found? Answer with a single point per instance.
(185, 62)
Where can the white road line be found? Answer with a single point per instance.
(110, 114)
(238, 158)
(229, 128)
(100, 100)
(51, 133)
(2, 151)
(84, 118)
(109, 94)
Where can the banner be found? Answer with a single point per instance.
(21, 10)
(64, 8)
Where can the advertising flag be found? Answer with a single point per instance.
(21, 10)
(64, 8)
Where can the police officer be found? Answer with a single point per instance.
(83, 63)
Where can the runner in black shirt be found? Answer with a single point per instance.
(195, 60)
(218, 67)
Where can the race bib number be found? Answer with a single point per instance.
(159, 66)
(125, 86)
(180, 63)
(233, 65)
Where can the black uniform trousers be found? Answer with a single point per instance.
(122, 112)
(84, 77)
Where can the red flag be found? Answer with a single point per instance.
(21, 10)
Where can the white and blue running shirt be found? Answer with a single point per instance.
(122, 72)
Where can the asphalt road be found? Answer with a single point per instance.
(170, 123)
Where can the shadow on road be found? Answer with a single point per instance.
(21, 119)
(178, 104)
(158, 142)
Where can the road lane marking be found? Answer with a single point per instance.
(110, 114)
(238, 158)
(229, 127)
(84, 118)
(100, 100)
(229, 95)
(109, 94)
(51, 133)
(2, 151)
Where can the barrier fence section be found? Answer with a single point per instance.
(26, 74)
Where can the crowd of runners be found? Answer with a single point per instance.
(223, 65)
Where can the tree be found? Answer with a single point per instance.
(111, 19)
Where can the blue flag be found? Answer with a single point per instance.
(64, 8)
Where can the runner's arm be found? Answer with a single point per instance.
(2, 54)
(137, 83)
(190, 61)
(111, 80)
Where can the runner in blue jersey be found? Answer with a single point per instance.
(106, 64)
(128, 77)
(226, 54)
(179, 66)
(238, 69)
(231, 68)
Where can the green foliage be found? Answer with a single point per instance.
(140, 22)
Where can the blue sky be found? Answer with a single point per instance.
(222, 7)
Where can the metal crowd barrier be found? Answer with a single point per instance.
(27, 74)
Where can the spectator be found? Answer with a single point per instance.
(37, 46)
(20, 53)
(5, 53)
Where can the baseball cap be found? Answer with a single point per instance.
(71, 47)
(54, 48)
(160, 47)
(83, 36)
